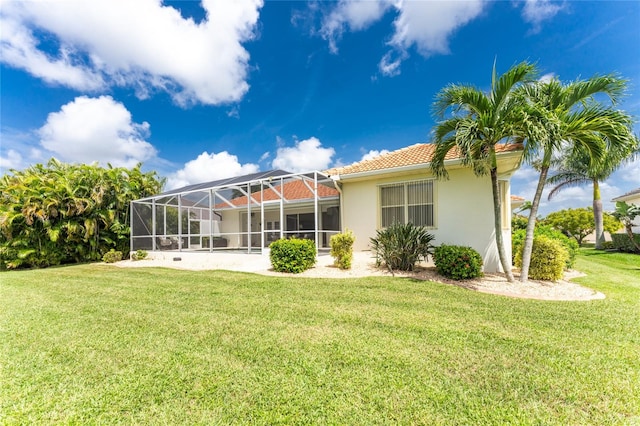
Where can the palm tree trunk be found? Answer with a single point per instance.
(597, 215)
(497, 215)
(531, 224)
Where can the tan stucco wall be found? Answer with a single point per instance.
(464, 212)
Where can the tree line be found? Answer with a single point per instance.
(61, 213)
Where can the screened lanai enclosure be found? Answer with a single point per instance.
(245, 213)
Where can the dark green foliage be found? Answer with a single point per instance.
(293, 255)
(621, 242)
(139, 255)
(458, 262)
(518, 222)
(342, 249)
(548, 259)
(570, 244)
(66, 213)
(112, 256)
(400, 247)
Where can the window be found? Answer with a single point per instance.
(408, 202)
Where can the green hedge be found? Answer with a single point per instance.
(293, 255)
(342, 249)
(548, 259)
(570, 244)
(457, 262)
(622, 242)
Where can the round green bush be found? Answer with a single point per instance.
(293, 255)
(548, 259)
(112, 256)
(457, 262)
(570, 244)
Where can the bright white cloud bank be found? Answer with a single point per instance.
(425, 25)
(207, 167)
(87, 130)
(141, 44)
(305, 156)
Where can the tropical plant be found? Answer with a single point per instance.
(342, 249)
(578, 223)
(626, 213)
(576, 170)
(401, 246)
(63, 213)
(567, 118)
(570, 244)
(480, 121)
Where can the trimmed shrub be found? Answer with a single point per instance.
(139, 255)
(458, 262)
(112, 256)
(400, 247)
(293, 255)
(622, 242)
(548, 259)
(342, 249)
(570, 244)
(608, 245)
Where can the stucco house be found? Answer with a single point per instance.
(247, 213)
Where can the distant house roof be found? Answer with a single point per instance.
(295, 190)
(516, 198)
(628, 196)
(421, 153)
(236, 180)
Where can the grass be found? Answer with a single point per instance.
(95, 344)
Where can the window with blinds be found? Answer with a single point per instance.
(408, 202)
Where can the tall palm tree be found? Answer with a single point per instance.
(564, 118)
(479, 122)
(576, 170)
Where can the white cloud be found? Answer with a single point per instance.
(142, 44)
(427, 25)
(207, 167)
(373, 154)
(305, 156)
(264, 156)
(356, 14)
(537, 11)
(100, 129)
(630, 172)
(12, 160)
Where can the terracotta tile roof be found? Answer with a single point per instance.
(516, 198)
(420, 153)
(293, 190)
(628, 194)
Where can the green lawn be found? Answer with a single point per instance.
(95, 344)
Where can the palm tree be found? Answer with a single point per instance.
(576, 170)
(479, 122)
(566, 118)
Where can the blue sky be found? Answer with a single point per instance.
(205, 90)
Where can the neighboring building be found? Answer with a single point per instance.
(247, 213)
(516, 202)
(631, 197)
